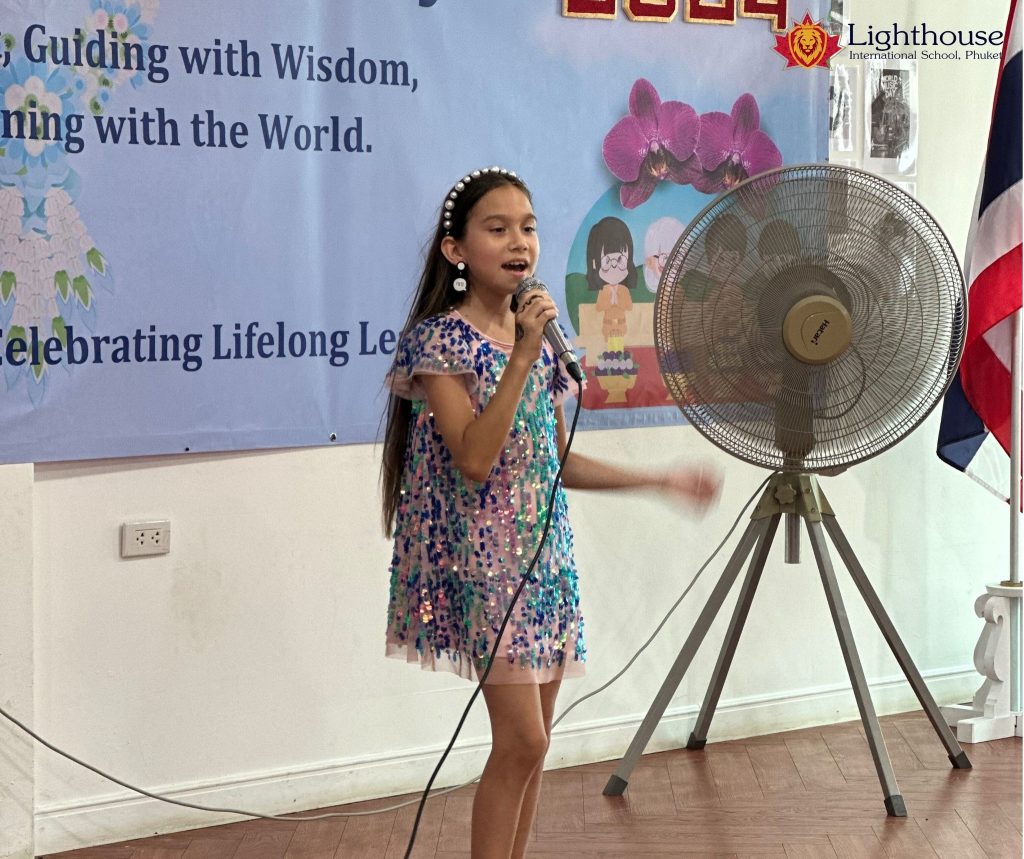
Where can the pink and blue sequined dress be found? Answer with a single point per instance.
(461, 547)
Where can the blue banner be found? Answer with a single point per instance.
(212, 215)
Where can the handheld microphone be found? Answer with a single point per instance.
(552, 333)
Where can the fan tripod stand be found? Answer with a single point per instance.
(797, 495)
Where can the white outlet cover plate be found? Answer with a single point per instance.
(145, 538)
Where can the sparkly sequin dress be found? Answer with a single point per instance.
(461, 547)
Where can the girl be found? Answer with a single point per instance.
(612, 274)
(474, 432)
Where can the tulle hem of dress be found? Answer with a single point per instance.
(502, 673)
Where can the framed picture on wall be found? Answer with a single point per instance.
(838, 15)
(890, 116)
(842, 109)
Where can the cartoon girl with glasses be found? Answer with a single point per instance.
(612, 274)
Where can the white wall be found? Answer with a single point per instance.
(17, 780)
(246, 667)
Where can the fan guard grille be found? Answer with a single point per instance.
(757, 250)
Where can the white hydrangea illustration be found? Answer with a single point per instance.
(49, 262)
(34, 101)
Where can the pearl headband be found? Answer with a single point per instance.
(453, 195)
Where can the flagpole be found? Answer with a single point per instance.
(1015, 512)
(995, 711)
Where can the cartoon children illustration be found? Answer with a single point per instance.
(778, 248)
(725, 243)
(612, 274)
(778, 245)
(725, 247)
(661, 237)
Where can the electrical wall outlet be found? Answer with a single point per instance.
(145, 538)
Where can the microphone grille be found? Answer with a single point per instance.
(528, 284)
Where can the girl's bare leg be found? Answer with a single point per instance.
(548, 692)
(518, 743)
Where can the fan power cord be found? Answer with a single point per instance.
(675, 605)
(441, 792)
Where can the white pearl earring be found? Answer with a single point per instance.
(460, 284)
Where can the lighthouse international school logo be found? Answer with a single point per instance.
(807, 44)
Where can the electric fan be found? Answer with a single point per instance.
(806, 320)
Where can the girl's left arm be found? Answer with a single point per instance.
(696, 485)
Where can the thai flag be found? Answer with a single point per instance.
(976, 410)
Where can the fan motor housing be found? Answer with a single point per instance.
(817, 329)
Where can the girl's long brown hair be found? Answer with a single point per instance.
(434, 294)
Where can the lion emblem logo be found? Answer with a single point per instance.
(807, 44)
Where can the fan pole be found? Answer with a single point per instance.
(799, 494)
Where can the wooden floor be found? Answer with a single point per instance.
(810, 793)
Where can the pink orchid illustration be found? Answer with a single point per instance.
(732, 148)
(655, 141)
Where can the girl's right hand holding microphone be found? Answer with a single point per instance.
(531, 317)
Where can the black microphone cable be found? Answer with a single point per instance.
(501, 630)
(419, 813)
(303, 817)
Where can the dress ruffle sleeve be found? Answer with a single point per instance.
(434, 347)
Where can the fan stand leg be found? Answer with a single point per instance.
(894, 805)
(699, 737)
(957, 756)
(806, 500)
(756, 532)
